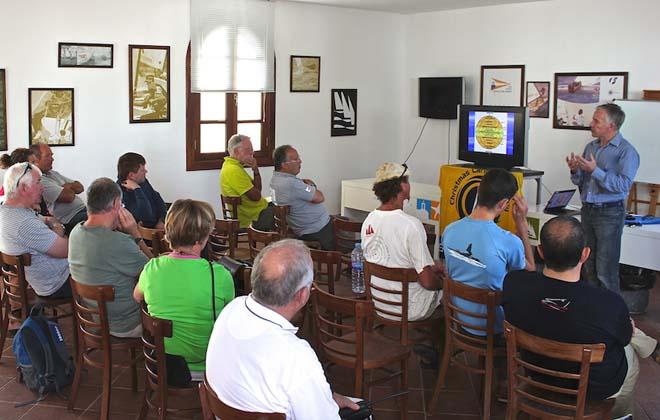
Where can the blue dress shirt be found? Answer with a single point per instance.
(616, 167)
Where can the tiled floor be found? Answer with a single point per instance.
(459, 401)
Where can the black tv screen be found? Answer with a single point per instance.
(439, 97)
(493, 136)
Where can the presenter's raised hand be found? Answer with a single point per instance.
(587, 165)
(572, 163)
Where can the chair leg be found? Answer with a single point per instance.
(134, 386)
(442, 376)
(144, 410)
(76, 381)
(488, 387)
(107, 387)
(359, 382)
(5, 326)
(74, 321)
(404, 387)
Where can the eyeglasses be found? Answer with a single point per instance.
(293, 161)
(27, 168)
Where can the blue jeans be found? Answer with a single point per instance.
(603, 228)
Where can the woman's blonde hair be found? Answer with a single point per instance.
(187, 222)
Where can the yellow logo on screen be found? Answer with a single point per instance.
(489, 132)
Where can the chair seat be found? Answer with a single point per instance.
(592, 410)
(378, 350)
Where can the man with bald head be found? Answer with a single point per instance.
(254, 361)
(60, 193)
(558, 306)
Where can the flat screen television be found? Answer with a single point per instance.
(493, 136)
(439, 97)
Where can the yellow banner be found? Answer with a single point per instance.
(458, 188)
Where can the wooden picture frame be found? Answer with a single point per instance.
(85, 55)
(149, 83)
(502, 85)
(3, 110)
(305, 73)
(538, 99)
(343, 115)
(578, 94)
(51, 116)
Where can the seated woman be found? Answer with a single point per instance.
(183, 287)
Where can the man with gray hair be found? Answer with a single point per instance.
(254, 360)
(23, 232)
(107, 249)
(604, 174)
(235, 182)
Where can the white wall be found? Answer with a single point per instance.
(358, 49)
(547, 37)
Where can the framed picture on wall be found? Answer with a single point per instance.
(502, 85)
(85, 55)
(578, 94)
(51, 118)
(149, 83)
(3, 110)
(305, 73)
(343, 121)
(538, 99)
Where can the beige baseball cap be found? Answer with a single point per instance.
(388, 171)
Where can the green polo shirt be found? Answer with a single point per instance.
(235, 181)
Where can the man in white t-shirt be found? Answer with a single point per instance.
(394, 239)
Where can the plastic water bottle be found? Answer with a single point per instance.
(357, 273)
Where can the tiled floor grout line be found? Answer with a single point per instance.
(101, 393)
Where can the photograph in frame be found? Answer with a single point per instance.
(84, 55)
(305, 73)
(3, 110)
(502, 85)
(578, 94)
(344, 112)
(538, 99)
(149, 79)
(51, 117)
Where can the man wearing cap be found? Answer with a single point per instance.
(394, 239)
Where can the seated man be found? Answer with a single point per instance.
(139, 197)
(107, 250)
(23, 232)
(557, 306)
(308, 218)
(479, 253)
(60, 192)
(395, 239)
(271, 370)
(235, 181)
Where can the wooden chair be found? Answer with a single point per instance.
(230, 211)
(431, 237)
(347, 234)
(546, 401)
(224, 239)
(213, 408)
(458, 340)
(280, 214)
(155, 240)
(397, 302)
(327, 274)
(352, 344)
(634, 200)
(259, 239)
(92, 316)
(156, 389)
(16, 298)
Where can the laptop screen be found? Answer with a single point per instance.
(560, 199)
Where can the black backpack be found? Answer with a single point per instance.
(41, 357)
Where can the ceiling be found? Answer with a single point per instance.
(411, 6)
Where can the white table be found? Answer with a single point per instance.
(640, 245)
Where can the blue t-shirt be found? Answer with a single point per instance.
(479, 253)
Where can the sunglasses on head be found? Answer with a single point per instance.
(27, 168)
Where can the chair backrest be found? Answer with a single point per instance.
(391, 305)
(280, 214)
(430, 237)
(212, 407)
(155, 240)
(327, 268)
(259, 239)
(522, 386)
(230, 206)
(338, 340)
(154, 331)
(224, 238)
(89, 304)
(347, 234)
(458, 319)
(14, 283)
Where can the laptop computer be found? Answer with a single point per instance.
(558, 201)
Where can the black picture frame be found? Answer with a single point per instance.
(99, 56)
(305, 73)
(539, 105)
(149, 84)
(48, 116)
(343, 114)
(3, 110)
